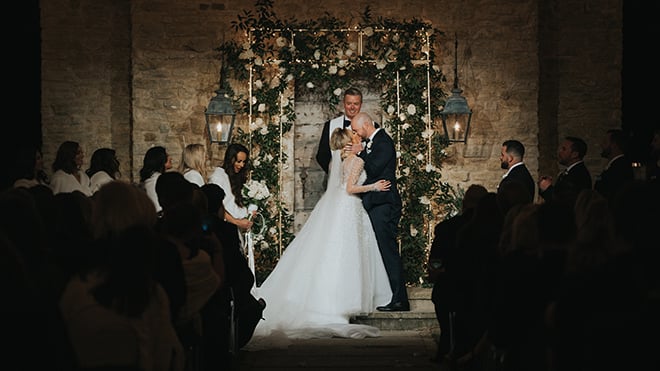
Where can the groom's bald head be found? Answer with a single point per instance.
(363, 124)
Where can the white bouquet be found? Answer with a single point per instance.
(255, 194)
(255, 190)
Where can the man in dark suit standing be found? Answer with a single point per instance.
(384, 208)
(572, 180)
(352, 105)
(511, 159)
(619, 170)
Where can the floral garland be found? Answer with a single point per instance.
(326, 55)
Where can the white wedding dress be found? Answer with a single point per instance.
(331, 271)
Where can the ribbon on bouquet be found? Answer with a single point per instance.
(258, 221)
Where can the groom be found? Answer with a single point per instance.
(384, 208)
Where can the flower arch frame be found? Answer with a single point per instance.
(273, 60)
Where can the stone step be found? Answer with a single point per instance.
(420, 317)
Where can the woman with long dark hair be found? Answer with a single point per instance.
(67, 173)
(231, 177)
(156, 161)
(103, 168)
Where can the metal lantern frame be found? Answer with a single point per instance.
(456, 114)
(220, 115)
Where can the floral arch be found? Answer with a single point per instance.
(272, 59)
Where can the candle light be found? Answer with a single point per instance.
(457, 129)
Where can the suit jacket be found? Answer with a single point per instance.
(612, 179)
(380, 163)
(521, 175)
(569, 184)
(323, 153)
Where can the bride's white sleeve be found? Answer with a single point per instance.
(352, 186)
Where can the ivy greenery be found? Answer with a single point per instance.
(272, 57)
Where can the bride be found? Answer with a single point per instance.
(332, 269)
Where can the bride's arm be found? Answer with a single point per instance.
(356, 166)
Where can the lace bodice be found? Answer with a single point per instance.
(353, 175)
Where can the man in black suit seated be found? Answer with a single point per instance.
(619, 170)
(571, 180)
(511, 159)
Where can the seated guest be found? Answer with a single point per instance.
(156, 162)
(117, 315)
(103, 168)
(67, 173)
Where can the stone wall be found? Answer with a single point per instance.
(134, 74)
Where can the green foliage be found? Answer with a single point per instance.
(325, 56)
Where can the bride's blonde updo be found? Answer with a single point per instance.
(339, 139)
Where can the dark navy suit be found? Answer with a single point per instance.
(384, 208)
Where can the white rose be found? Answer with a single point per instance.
(258, 61)
(315, 66)
(390, 109)
(341, 72)
(264, 130)
(420, 157)
(262, 107)
(424, 200)
(258, 84)
(412, 110)
(348, 52)
(254, 100)
(310, 85)
(343, 63)
(368, 31)
(402, 117)
(332, 69)
(381, 64)
(337, 92)
(317, 54)
(405, 126)
(289, 77)
(430, 168)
